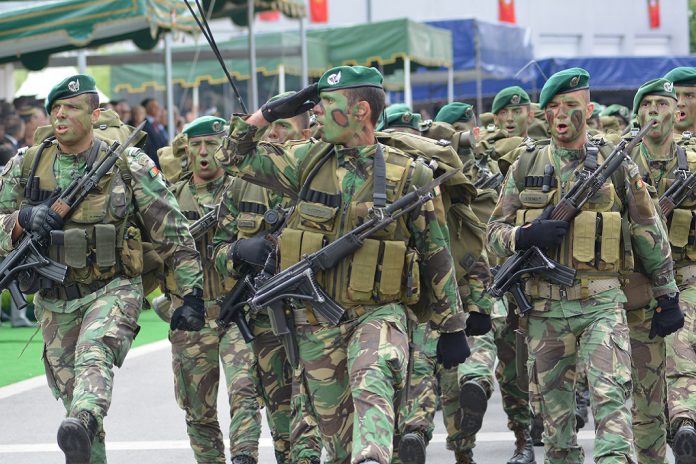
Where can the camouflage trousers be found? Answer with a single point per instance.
(196, 358)
(354, 372)
(648, 374)
(681, 363)
(498, 343)
(598, 335)
(275, 384)
(82, 346)
(304, 432)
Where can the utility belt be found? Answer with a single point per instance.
(73, 291)
(587, 288)
(306, 316)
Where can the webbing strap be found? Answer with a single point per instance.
(379, 172)
(681, 159)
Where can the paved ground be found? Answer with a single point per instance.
(146, 426)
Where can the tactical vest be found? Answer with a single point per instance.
(598, 242)
(99, 240)
(385, 269)
(213, 285)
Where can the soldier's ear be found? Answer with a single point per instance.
(94, 117)
(530, 114)
(361, 110)
(590, 109)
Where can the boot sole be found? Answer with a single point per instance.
(74, 440)
(473, 402)
(684, 446)
(411, 450)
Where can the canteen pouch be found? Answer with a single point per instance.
(75, 248)
(638, 290)
(132, 252)
(105, 245)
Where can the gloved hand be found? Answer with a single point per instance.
(478, 324)
(251, 250)
(292, 105)
(542, 232)
(452, 349)
(668, 318)
(40, 219)
(190, 315)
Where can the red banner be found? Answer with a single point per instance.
(273, 15)
(654, 13)
(506, 11)
(319, 11)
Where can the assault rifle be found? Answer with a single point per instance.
(27, 261)
(299, 283)
(683, 186)
(508, 276)
(486, 179)
(201, 227)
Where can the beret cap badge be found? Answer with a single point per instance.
(574, 81)
(74, 86)
(668, 86)
(334, 79)
(515, 99)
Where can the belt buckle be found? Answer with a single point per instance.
(564, 294)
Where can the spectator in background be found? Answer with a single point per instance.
(137, 116)
(33, 117)
(14, 131)
(123, 110)
(156, 137)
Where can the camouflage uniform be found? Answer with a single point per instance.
(586, 321)
(196, 356)
(365, 354)
(88, 327)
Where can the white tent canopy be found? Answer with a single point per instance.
(39, 83)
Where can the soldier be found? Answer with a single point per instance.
(366, 353)
(196, 356)
(460, 115)
(586, 321)
(89, 322)
(594, 124)
(512, 113)
(615, 118)
(657, 157)
(684, 79)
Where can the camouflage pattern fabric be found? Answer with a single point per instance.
(196, 358)
(82, 346)
(681, 363)
(304, 432)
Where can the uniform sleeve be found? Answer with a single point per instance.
(225, 235)
(478, 278)
(648, 233)
(500, 233)
(274, 166)
(437, 268)
(165, 225)
(11, 195)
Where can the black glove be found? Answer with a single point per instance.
(478, 324)
(190, 315)
(668, 318)
(452, 349)
(292, 105)
(252, 250)
(40, 219)
(542, 232)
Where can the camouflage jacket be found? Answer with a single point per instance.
(278, 167)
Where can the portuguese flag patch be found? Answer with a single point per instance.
(154, 171)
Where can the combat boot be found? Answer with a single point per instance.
(412, 448)
(582, 400)
(75, 436)
(464, 456)
(243, 459)
(536, 431)
(473, 401)
(684, 443)
(524, 449)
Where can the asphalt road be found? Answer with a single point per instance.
(145, 425)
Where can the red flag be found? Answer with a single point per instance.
(272, 15)
(319, 11)
(506, 11)
(654, 13)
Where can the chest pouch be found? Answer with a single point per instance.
(533, 203)
(596, 241)
(249, 223)
(105, 245)
(296, 243)
(681, 230)
(75, 248)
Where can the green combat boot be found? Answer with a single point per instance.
(243, 459)
(524, 449)
(412, 448)
(684, 443)
(464, 456)
(75, 436)
(473, 400)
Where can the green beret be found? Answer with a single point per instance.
(510, 96)
(397, 108)
(349, 77)
(659, 86)
(568, 80)
(617, 110)
(598, 108)
(683, 76)
(71, 87)
(403, 119)
(456, 111)
(205, 125)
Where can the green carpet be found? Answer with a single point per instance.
(14, 367)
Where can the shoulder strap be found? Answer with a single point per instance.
(379, 174)
(681, 159)
(591, 152)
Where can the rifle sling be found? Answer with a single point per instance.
(682, 163)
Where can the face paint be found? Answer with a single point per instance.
(71, 120)
(686, 107)
(663, 110)
(567, 115)
(201, 152)
(283, 130)
(338, 119)
(514, 120)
